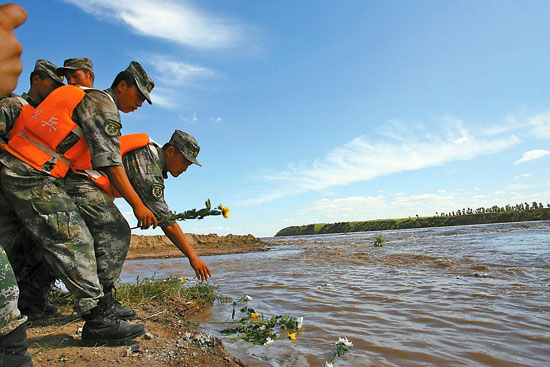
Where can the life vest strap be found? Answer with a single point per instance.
(45, 149)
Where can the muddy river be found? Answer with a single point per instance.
(453, 296)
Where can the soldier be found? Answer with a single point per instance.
(27, 263)
(62, 122)
(13, 336)
(78, 71)
(106, 223)
(146, 165)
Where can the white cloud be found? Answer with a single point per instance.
(362, 159)
(172, 71)
(175, 21)
(522, 176)
(540, 125)
(532, 154)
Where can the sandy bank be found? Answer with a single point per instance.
(160, 246)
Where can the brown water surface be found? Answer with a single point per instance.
(452, 296)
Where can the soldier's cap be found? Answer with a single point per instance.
(144, 83)
(187, 145)
(76, 63)
(48, 68)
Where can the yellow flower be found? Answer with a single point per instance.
(254, 315)
(292, 336)
(183, 280)
(225, 210)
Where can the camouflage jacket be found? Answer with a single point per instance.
(146, 171)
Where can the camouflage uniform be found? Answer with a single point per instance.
(10, 317)
(48, 212)
(106, 223)
(146, 171)
(21, 250)
(108, 226)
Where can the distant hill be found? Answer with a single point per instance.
(419, 222)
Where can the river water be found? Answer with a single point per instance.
(451, 296)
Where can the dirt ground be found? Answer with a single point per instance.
(170, 340)
(143, 247)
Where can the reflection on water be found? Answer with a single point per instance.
(452, 296)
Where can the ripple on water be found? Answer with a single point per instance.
(413, 302)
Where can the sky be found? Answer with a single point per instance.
(324, 111)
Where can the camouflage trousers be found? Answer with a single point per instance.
(106, 223)
(51, 217)
(25, 257)
(10, 317)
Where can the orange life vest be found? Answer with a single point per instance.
(38, 131)
(83, 164)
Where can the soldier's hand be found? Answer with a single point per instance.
(11, 17)
(201, 269)
(145, 217)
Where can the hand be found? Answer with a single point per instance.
(201, 269)
(11, 17)
(145, 217)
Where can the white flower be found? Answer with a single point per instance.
(328, 364)
(268, 341)
(248, 298)
(345, 341)
(299, 322)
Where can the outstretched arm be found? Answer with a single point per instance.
(175, 234)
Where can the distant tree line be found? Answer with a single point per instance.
(493, 209)
(466, 216)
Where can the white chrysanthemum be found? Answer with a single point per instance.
(345, 341)
(299, 322)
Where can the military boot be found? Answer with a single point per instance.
(13, 349)
(122, 312)
(33, 301)
(102, 326)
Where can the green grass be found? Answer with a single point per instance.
(165, 292)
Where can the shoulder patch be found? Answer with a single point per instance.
(112, 128)
(158, 191)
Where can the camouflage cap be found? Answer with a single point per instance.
(76, 63)
(144, 83)
(48, 68)
(187, 145)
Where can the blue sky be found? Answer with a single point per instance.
(325, 111)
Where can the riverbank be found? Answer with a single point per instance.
(162, 305)
(171, 340)
(159, 246)
(505, 216)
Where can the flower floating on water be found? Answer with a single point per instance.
(225, 210)
(342, 346)
(260, 330)
(183, 280)
(299, 322)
